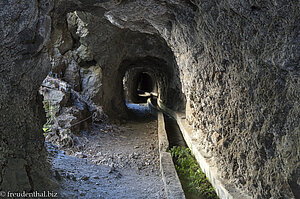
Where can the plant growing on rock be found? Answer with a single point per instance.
(189, 170)
(50, 115)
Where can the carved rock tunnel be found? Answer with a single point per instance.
(138, 82)
(146, 77)
(230, 67)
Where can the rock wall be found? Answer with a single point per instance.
(24, 30)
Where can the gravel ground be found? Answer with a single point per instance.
(110, 161)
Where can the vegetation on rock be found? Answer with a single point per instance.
(50, 115)
(189, 171)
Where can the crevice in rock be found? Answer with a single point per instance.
(28, 169)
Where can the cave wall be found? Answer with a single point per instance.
(24, 30)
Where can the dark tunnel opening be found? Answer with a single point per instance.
(150, 79)
(145, 83)
(144, 80)
(139, 85)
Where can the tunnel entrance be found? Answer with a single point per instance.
(139, 88)
(145, 83)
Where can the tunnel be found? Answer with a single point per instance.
(228, 71)
(145, 83)
(144, 77)
(139, 85)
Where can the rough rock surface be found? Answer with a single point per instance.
(245, 87)
(24, 30)
(67, 112)
(91, 83)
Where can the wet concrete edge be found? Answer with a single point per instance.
(170, 178)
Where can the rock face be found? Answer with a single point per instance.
(232, 66)
(68, 112)
(91, 83)
(24, 63)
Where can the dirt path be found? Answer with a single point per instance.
(111, 162)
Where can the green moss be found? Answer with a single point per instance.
(50, 115)
(190, 172)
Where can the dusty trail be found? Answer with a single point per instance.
(111, 161)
